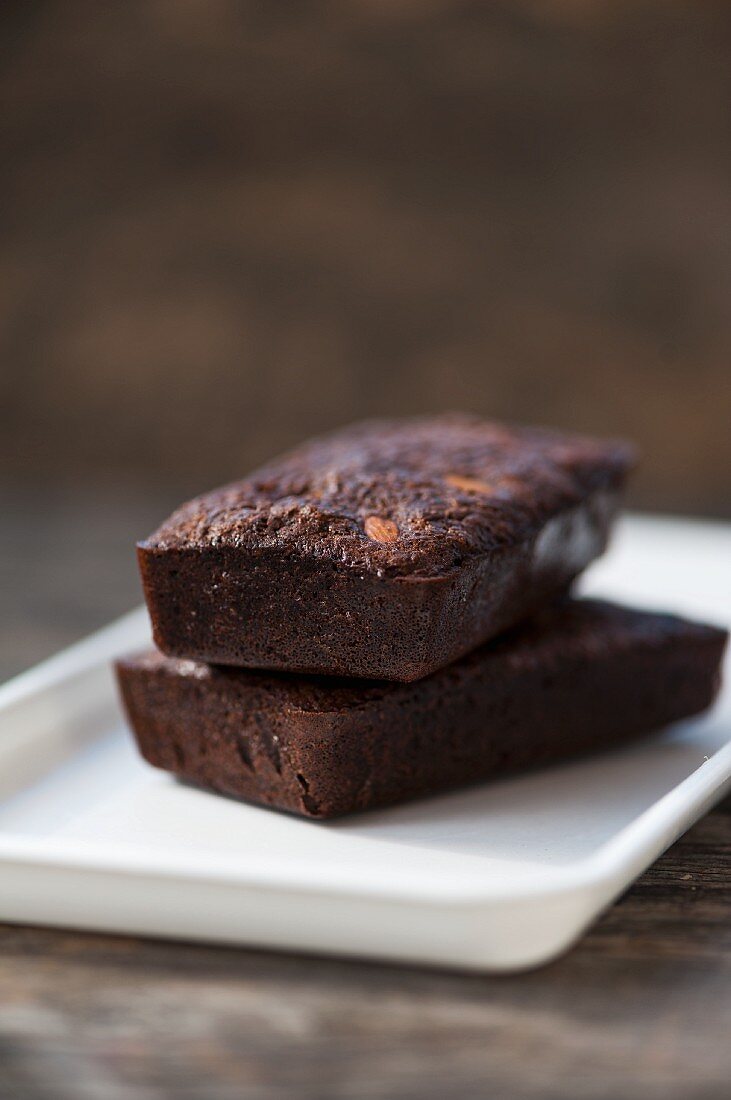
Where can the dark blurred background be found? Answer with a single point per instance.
(228, 225)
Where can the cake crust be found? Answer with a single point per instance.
(583, 675)
(385, 550)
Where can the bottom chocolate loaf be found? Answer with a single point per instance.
(585, 675)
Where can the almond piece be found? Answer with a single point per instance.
(380, 530)
(488, 488)
(469, 484)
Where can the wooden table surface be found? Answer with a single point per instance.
(640, 1009)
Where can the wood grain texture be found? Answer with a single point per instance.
(640, 1009)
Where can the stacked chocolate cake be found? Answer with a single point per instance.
(384, 613)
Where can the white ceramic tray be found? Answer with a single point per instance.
(500, 877)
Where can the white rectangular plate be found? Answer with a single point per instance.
(500, 877)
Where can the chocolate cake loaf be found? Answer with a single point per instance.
(584, 675)
(384, 551)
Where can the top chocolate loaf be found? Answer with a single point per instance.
(385, 550)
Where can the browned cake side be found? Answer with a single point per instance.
(383, 551)
(584, 676)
